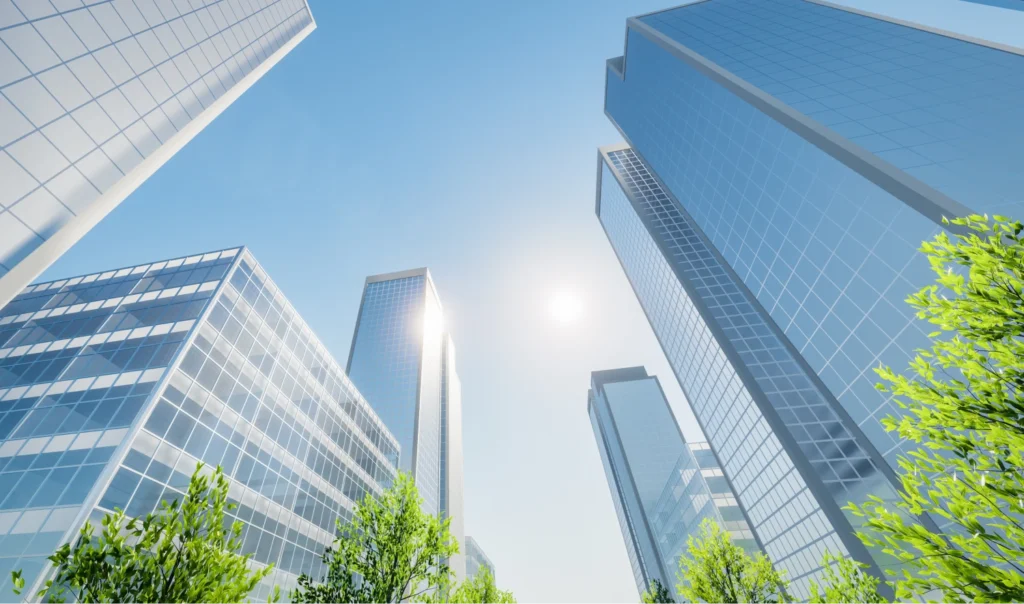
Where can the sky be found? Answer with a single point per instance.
(461, 136)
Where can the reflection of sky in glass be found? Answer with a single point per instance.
(944, 110)
(829, 254)
(660, 490)
(396, 363)
(785, 514)
(255, 392)
(88, 93)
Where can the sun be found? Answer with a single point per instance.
(565, 307)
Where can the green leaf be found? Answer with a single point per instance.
(962, 402)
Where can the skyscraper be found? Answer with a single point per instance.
(114, 385)
(451, 454)
(662, 487)
(93, 99)
(476, 558)
(403, 362)
(785, 159)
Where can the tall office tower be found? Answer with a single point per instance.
(476, 558)
(114, 385)
(403, 362)
(786, 159)
(93, 99)
(451, 451)
(661, 487)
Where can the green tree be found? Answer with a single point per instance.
(391, 551)
(715, 570)
(480, 588)
(964, 405)
(183, 553)
(656, 594)
(845, 583)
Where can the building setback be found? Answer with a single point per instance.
(114, 385)
(784, 160)
(662, 487)
(94, 99)
(403, 361)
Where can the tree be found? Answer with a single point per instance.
(964, 405)
(656, 594)
(391, 551)
(850, 585)
(481, 588)
(718, 571)
(183, 553)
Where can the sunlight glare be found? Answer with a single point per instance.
(565, 307)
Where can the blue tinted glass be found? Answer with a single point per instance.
(830, 255)
(396, 363)
(767, 482)
(252, 358)
(944, 110)
(660, 494)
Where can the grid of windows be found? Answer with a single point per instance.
(660, 493)
(639, 542)
(697, 490)
(784, 513)
(79, 361)
(428, 440)
(396, 363)
(830, 255)
(944, 110)
(254, 392)
(88, 92)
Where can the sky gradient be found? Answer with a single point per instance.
(459, 136)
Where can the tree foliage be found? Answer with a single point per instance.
(480, 588)
(844, 583)
(715, 570)
(183, 553)
(391, 551)
(965, 407)
(656, 594)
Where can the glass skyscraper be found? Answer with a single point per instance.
(785, 159)
(662, 487)
(403, 361)
(451, 454)
(114, 385)
(95, 97)
(476, 558)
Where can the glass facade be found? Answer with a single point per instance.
(396, 361)
(90, 94)
(793, 458)
(1013, 4)
(662, 487)
(697, 490)
(451, 455)
(116, 384)
(475, 558)
(733, 103)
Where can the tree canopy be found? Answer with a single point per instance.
(964, 407)
(391, 551)
(182, 553)
(656, 594)
(844, 583)
(715, 570)
(480, 588)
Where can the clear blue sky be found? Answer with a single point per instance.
(460, 136)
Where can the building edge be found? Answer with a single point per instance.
(117, 458)
(29, 268)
